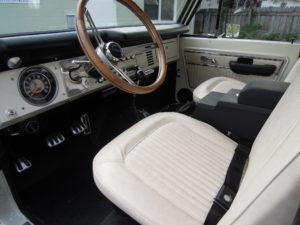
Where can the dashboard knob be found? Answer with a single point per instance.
(14, 62)
(101, 79)
(30, 126)
(11, 113)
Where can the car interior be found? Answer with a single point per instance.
(124, 113)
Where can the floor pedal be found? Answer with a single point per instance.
(144, 113)
(55, 139)
(78, 128)
(86, 121)
(22, 164)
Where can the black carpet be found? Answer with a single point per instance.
(115, 218)
(68, 197)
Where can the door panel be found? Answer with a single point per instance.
(202, 65)
(205, 58)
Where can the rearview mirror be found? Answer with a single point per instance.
(232, 30)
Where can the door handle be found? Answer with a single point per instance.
(207, 59)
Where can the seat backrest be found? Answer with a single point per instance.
(293, 73)
(270, 190)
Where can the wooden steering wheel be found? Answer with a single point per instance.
(105, 62)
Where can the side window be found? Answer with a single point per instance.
(274, 20)
(204, 22)
(161, 10)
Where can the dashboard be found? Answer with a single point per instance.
(34, 89)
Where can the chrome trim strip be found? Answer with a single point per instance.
(211, 66)
(232, 55)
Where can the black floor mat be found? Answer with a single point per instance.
(118, 219)
(68, 197)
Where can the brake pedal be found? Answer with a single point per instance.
(22, 164)
(78, 128)
(55, 139)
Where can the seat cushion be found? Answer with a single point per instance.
(217, 84)
(166, 169)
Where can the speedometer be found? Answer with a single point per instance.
(37, 85)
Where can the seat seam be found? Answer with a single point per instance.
(185, 157)
(182, 188)
(168, 123)
(145, 137)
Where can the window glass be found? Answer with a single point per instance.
(168, 10)
(205, 20)
(27, 16)
(274, 20)
(161, 10)
(152, 9)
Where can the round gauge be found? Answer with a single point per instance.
(37, 85)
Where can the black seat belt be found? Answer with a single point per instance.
(227, 192)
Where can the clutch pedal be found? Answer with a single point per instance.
(22, 164)
(55, 139)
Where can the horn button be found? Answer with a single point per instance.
(113, 51)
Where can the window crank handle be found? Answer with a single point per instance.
(206, 59)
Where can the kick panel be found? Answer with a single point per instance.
(202, 65)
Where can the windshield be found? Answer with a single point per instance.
(28, 16)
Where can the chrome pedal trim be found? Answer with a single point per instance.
(55, 139)
(78, 128)
(85, 119)
(22, 164)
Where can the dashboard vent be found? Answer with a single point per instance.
(150, 58)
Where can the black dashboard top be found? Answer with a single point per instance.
(40, 48)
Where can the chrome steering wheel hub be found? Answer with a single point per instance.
(113, 51)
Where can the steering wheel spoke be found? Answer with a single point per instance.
(112, 66)
(94, 29)
(125, 76)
